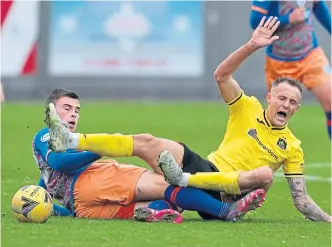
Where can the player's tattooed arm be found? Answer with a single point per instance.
(304, 203)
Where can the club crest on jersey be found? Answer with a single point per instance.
(282, 143)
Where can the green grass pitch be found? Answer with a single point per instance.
(201, 127)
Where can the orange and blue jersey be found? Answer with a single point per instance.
(295, 41)
(59, 171)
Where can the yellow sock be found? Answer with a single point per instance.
(219, 181)
(107, 144)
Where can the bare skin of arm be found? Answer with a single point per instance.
(263, 36)
(304, 203)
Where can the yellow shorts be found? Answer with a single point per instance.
(312, 71)
(106, 190)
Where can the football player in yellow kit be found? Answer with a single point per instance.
(254, 137)
(256, 142)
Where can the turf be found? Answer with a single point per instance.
(200, 126)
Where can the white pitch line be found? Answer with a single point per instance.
(318, 165)
(307, 177)
(280, 174)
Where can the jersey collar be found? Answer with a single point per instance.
(268, 123)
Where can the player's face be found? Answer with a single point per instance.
(283, 101)
(69, 111)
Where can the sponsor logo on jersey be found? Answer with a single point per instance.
(45, 137)
(253, 133)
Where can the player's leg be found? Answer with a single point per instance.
(206, 177)
(218, 181)
(259, 178)
(144, 146)
(151, 186)
(229, 182)
(323, 95)
(136, 210)
(61, 138)
(316, 76)
(148, 147)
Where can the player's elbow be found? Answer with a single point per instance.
(220, 76)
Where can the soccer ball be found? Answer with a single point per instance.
(32, 203)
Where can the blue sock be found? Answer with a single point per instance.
(196, 200)
(328, 121)
(162, 204)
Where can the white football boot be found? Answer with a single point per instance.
(172, 171)
(60, 135)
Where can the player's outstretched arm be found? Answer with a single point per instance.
(303, 202)
(67, 162)
(262, 36)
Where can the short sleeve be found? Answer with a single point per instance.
(294, 166)
(241, 103)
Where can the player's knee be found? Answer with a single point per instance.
(263, 176)
(143, 143)
(266, 176)
(150, 186)
(144, 138)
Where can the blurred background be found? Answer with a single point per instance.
(127, 50)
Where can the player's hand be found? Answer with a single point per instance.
(263, 34)
(298, 15)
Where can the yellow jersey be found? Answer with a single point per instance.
(250, 141)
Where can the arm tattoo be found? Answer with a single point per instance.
(303, 202)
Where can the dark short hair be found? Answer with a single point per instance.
(60, 93)
(289, 81)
